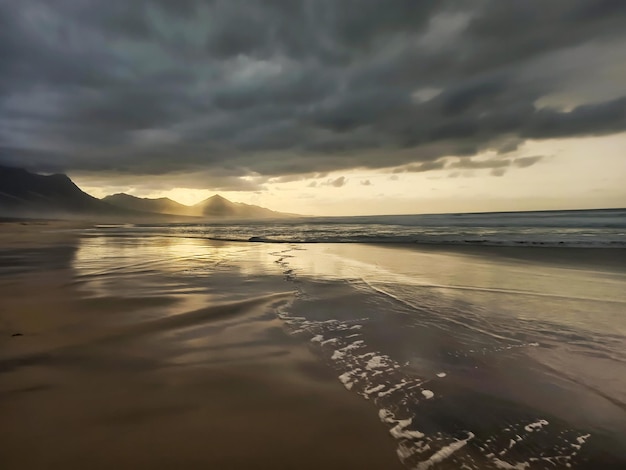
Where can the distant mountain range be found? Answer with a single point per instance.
(215, 206)
(154, 206)
(26, 194)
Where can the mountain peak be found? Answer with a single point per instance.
(32, 194)
(162, 205)
(60, 177)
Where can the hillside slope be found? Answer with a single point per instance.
(23, 193)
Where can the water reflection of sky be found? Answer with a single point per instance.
(195, 271)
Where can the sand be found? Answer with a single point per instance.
(99, 380)
(149, 347)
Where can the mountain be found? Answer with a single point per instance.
(26, 194)
(162, 205)
(23, 193)
(217, 206)
(213, 207)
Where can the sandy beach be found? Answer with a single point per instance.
(150, 347)
(106, 380)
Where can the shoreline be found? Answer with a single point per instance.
(611, 257)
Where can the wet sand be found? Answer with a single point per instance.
(479, 357)
(99, 378)
(150, 348)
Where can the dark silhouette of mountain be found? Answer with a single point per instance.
(213, 207)
(26, 194)
(162, 205)
(218, 206)
(23, 193)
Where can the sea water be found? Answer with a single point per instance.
(583, 228)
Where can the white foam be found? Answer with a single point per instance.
(428, 394)
(370, 390)
(386, 416)
(536, 426)
(377, 362)
(317, 339)
(507, 466)
(392, 389)
(404, 451)
(444, 452)
(345, 380)
(408, 449)
(441, 374)
(340, 353)
(399, 431)
(337, 355)
(582, 439)
(355, 345)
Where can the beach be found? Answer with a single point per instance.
(152, 349)
(100, 380)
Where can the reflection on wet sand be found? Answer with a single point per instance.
(156, 350)
(165, 353)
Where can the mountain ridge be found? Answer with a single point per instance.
(32, 194)
(214, 206)
(163, 205)
(27, 194)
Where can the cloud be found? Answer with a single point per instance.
(421, 167)
(524, 162)
(498, 166)
(471, 164)
(162, 182)
(244, 88)
(337, 182)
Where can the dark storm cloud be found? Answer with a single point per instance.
(281, 87)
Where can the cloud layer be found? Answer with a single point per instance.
(284, 87)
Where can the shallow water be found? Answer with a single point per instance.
(476, 360)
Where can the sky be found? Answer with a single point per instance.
(322, 107)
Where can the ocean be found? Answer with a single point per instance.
(478, 341)
(583, 228)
